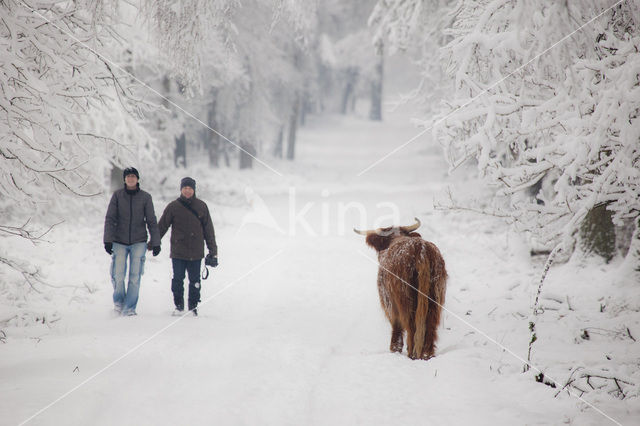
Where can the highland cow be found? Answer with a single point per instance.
(411, 284)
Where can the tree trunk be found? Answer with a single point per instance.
(166, 92)
(624, 236)
(375, 113)
(631, 265)
(352, 103)
(116, 180)
(227, 159)
(349, 90)
(212, 139)
(597, 233)
(246, 155)
(293, 127)
(306, 106)
(303, 111)
(279, 147)
(634, 248)
(180, 152)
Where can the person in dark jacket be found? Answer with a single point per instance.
(129, 215)
(191, 227)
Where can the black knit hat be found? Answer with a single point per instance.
(130, 171)
(187, 181)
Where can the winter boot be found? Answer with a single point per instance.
(193, 308)
(177, 288)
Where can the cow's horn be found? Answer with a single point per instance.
(359, 232)
(412, 227)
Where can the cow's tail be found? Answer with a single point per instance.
(423, 307)
(430, 299)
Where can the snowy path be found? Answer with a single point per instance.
(290, 329)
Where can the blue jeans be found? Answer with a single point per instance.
(191, 267)
(126, 300)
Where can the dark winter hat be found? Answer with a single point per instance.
(187, 181)
(130, 171)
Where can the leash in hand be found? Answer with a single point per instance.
(209, 260)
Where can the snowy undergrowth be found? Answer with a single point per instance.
(588, 332)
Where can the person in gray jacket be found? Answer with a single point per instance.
(129, 214)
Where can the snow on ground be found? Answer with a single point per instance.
(290, 328)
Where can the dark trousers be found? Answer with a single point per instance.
(191, 267)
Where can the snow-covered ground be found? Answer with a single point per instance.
(290, 328)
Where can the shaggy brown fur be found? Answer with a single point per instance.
(411, 283)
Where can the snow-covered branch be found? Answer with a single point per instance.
(29, 234)
(61, 102)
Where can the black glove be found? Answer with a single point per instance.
(108, 247)
(211, 260)
(156, 250)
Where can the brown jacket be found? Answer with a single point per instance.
(187, 232)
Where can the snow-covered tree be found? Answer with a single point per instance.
(547, 97)
(275, 63)
(417, 28)
(545, 103)
(66, 110)
(67, 113)
(252, 79)
(184, 30)
(351, 58)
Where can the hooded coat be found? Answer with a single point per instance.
(188, 232)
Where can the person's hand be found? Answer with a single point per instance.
(108, 247)
(211, 260)
(156, 250)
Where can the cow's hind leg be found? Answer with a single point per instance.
(411, 332)
(433, 320)
(396, 338)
